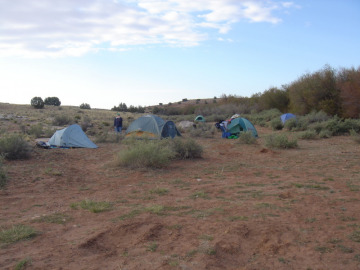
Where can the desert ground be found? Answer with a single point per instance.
(238, 207)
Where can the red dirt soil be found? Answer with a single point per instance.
(239, 207)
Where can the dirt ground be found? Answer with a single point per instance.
(239, 207)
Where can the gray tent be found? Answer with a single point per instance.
(72, 136)
(152, 126)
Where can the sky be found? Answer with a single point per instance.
(146, 52)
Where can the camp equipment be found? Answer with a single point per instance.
(286, 116)
(152, 126)
(72, 136)
(238, 125)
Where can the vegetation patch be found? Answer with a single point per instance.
(57, 218)
(92, 206)
(280, 141)
(246, 138)
(17, 233)
(23, 264)
(14, 146)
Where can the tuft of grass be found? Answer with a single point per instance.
(199, 194)
(14, 147)
(280, 141)
(159, 191)
(246, 138)
(57, 218)
(17, 233)
(355, 236)
(92, 206)
(23, 264)
(152, 246)
(276, 124)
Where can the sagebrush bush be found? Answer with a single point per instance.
(203, 130)
(290, 124)
(14, 146)
(36, 130)
(246, 138)
(62, 120)
(107, 137)
(186, 148)
(146, 153)
(276, 124)
(307, 135)
(325, 133)
(280, 141)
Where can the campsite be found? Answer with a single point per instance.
(239, 206)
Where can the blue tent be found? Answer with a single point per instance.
(72, 136)
(286, 116)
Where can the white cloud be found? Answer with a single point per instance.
(58, 28)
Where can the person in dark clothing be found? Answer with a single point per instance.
(118, 123)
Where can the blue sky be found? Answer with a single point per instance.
(145, 52)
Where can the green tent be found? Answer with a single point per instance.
(238, 125)
(152, 126)
(200, 118)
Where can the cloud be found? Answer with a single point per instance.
(57, 28)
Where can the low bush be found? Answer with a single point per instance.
(186, 148)
(307, 135)
(291, 124)
(146, 153)
(62, 120)
(14, 147)
(325, 133)
(203, 130)
(106, 137)
(276, 124)
(246, 138)
(36, 130)
(280, 141)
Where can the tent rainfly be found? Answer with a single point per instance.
(152, 126)
(199, 118)
(286, 116)
(238, 125)
(72, 136)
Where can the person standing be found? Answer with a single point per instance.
(118, 123)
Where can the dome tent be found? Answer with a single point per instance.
(72, 136)
(152, 126)
(199, 118)
(286, 116)
(238, 125)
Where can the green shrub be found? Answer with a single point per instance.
(280, 141)
(307, 135)
(186, 148)
(37, 102)
(23, 264)
(246, 138)
(203, 130)
(3, 176)
(36, 130)
(55, 101)
(62, 120)
(276, 124)
(93, 206)
(85, 106)
(325, 133)
(107, 137)
(14, 147)
(146, 153)
(291, 124)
